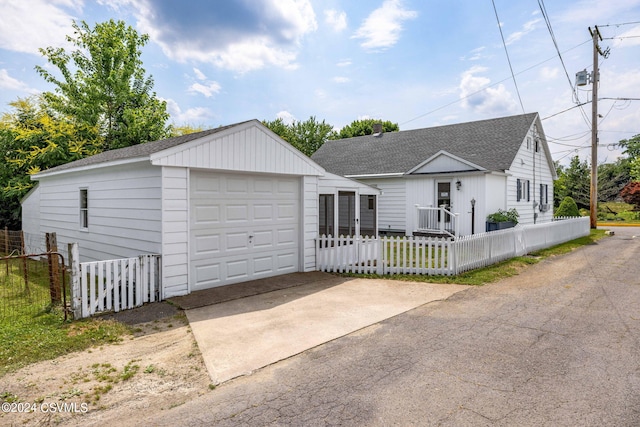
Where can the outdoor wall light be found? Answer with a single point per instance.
(458, 184)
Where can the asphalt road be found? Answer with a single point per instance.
(557, 345)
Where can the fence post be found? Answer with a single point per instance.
(76, 289)
(54, 273)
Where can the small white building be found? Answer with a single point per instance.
(221, 206)
(501, 163)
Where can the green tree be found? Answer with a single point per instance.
(573, 181)
(365, 127)
(103, 84)
(306, 136)
(568, 207)
(612, 177)
(631, 148)
(34, 138)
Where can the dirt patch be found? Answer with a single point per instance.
(155, 368)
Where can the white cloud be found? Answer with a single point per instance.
(208, 90)
(191, 115)
(26, 26)
(526, 29)
(548, 73)
(628, 38)
(286, 117)
(243, 36)
(475, 54)
(199, 74)
(336, 19)
(477, 95)
(382, 27)
(341, 79)
(344, 63)
(320, 93)
(9, 83)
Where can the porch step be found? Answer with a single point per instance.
(430, 234)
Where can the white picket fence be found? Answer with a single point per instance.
(115, 285)
(441, 256)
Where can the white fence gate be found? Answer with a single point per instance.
(114, 285)
(440, 256)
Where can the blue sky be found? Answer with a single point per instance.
(418, 63)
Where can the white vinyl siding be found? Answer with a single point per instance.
(124, 211)
(31, 212)
(175, 231)
(310, 222)
(392, 213)
(532, 166)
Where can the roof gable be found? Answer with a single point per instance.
(249, 146)
(188, 150)
(444, 162)
(489, 144)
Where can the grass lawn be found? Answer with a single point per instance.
(32, 330)
(494, 272)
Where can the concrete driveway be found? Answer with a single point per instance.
(237, 337)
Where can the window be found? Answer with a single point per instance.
(544, 194)
(367, 215)
(522, 190)
(84, 208)
(326, 215)
(528, 143)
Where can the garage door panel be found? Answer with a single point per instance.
(228, 208)
(286, 262)
(237, 269)
(286, 236)
(236, 241)
(207, 214)
(207, 274)
(263, 212)
(263, 264)
(207, 244)
(263, 239)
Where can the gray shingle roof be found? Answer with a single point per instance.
(491, 144)
(140, 150)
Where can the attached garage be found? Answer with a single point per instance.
(221, 206)
(243, 227)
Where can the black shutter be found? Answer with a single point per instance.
(519, 190)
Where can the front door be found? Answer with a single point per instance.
(346, 213)
(444, 200)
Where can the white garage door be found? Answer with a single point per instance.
(243, 227)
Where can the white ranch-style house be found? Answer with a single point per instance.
(220, 206)
(476, 167)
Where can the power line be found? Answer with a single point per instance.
(507, 53)
(489, 86)
(543, 9)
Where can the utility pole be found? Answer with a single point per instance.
(593, 193)
(595, 78)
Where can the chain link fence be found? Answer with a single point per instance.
(32, 275)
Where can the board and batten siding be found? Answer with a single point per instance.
(391, 203)
(246, 148)
(534, 167)
(124, 210)
(175, 231)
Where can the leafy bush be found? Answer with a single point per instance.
(504, 216)
(568, 207)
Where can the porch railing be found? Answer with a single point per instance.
(437, 221)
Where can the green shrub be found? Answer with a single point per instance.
(504, 216)
(568, 207)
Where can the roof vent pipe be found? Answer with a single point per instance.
(377, 129)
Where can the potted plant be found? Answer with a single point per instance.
(502, 219)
